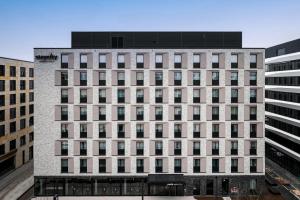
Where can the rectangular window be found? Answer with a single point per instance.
(22, 123)
(64, 61)
(12, 71)
(2, 130)
(22, 84)
(13, 112)
(12, 85)
(2, 85)
(196, 78)
(196, 60)
(234, 78)
(139, 78)
(22, 140)
(234, 95)
(83, 165)
(22, 71)
(234, 60)
(2, 115)
(177, 165)
(2, 70)
(102, 61)
(2, 149)
(215, 61)
(12, 145)
(31, 72)
(83, 61)
(64, 78)
(2, 100)
(159, 61)
(253, 60)
(121, 78)
(177, 60)
(121, 61)
(64, 165)
(215, 78)
(12, 127)
(102, 165)
(83, 78)
(140, 61)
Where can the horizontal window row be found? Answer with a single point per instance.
(161, 165)
(175, 113)
(13, 99)
(161, 130)
(13, 85)
(12, 71)
(162, 60)
(161, 95)
(294, 146)
(14, 126)
(288, 112)
(284, 66)
(17, 112)
(12, 144)
(137, 78)
(288, 81)
(156, 148)
(283, 96)
(295, 130)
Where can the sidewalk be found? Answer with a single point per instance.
(20, 178)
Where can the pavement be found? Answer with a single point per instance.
(16, 182)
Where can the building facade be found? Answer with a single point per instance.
(283, 105)
(149, 113)
(16, 113)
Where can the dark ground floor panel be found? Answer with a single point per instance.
(152, 185)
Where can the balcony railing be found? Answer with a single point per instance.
(83, 99)
(215, 117)
(64, 99)
(253, 65)
(252, 99)
(215, 82)
(139, 65)
(121, 99)
(102, 117)
(215, 99)
(234, 100)
(196, 65)
(234, 82)
(121, 65)
(121, 117)
(196, 82)
(140, 82)
(253, 82)
(177, 82)
(215, 134)
(121, 82)
(234, 65)
(196, 100)
(83, 65)
(196, 117)
(158, 65)
(177, 65)
(139, 117)
(252, 116)
(83, 82)
(234, 117)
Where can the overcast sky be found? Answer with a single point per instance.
(26, 24)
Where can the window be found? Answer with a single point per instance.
(234, 60)
(253, 164)
(64, 96)
(158, 130)
(139, 78)
(102, 78)
(22, 84)
(22, 98)
(121, 113)
(121, 96)
(64, 130)
(234, 95)
(234, 165)
(102, 165)
(215, 78)
(158, 78)
(215, 165)
(102, 148)
(83, 165)
(196, 148)
(102, 131)
(234, 130)
(234, 78)
(31, 72)
(253, 186)
(196, 95)
(83, 113)
(139, 165)
(234, 147)
(12, 71)
(158, 95)
(177, 165)
(158, 113)
(215, 61)
(83, 130)
(253, 93)
(177, 113)
(140, 130)
(102, 113)
(102, 61)
(140, 95)
(121, 78)
(12, 145)
(64, 78)
(12, 99)
(64, 148)
(215, 95)
(196, 60)
(196, 113)
(83, 147)
(234, 113)
(31, 84)
(2, 130)
(12, 127)
(31, 121)
(177, 95)
(253, 128)
(215, 130)
(13, 111)
(215, 148)
(121, 61)
(139, 113)
(196, 130)
(158, 148)
(2, 115)
(253, 60)
(2, 100)
(2, 70)
(177, 148)
(83, 95)
(177, 60)
(22, 123)
(102, 95)
(158, 165)
(253, 78)
(159, 61)
(196, 78)
(253, 111)
(215, 113)
(83, 61)
(121, 165)
(2, 85)
(139, 61)
(22, 71)
(253, 147)
(177, 78)
(31, 109)
(139, 148)
(196, 165)
(121, 130)
(64, 166)
(64, 60)
(83, 78)
(121, 148)
(64, 113)
(12, 85)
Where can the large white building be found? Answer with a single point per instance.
(152, 113)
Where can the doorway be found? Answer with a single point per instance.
(209, 187)
(225, 186)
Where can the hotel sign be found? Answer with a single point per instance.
(46, 58)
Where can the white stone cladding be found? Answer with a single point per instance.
(47, 96)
